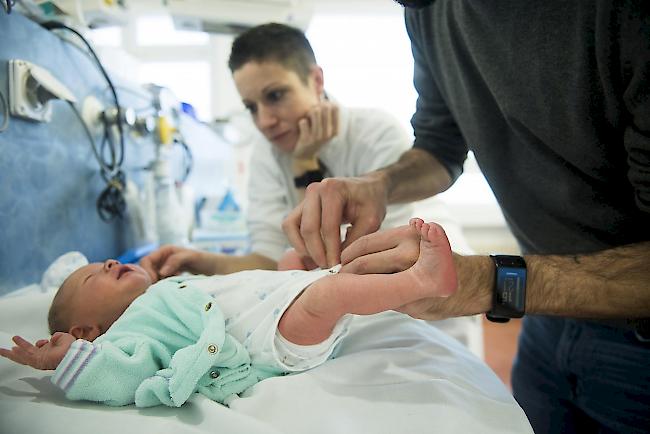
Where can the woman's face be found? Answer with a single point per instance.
(277, 99)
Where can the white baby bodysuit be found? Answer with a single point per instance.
(253, 302)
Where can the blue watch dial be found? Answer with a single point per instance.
(509, 293)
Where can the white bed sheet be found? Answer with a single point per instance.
(393, 374)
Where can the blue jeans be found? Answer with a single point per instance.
(574, 376)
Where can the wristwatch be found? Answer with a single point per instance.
(509, 293)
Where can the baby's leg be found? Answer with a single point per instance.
(432, 275)
(314, 313)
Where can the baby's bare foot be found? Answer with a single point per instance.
(434, 270)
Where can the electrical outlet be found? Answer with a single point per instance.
(31, 88)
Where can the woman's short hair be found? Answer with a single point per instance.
(274, 42)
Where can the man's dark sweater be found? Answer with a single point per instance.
(553, 98)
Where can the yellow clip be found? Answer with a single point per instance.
(165, 130)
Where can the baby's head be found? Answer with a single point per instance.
(94, 296)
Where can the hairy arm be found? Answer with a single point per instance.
(613, 283)
(416, 175)
(609, 284)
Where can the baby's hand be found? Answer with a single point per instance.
(44, 354)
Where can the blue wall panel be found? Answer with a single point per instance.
(49, 179)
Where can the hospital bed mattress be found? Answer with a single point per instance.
(393, 374)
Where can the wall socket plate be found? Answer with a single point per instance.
(31, 87)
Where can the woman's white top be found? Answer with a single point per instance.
(368, 139)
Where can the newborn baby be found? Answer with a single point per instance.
(118, 339)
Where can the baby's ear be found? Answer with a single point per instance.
(88, 333)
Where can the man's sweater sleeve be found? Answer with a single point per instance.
(106, 372)
(635, 64)
(433, 123)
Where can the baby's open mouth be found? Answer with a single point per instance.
(123, 270)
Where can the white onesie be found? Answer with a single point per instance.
(253, 302)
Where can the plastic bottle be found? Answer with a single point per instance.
(169, 220)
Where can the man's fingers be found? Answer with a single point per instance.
(291, 227)
(310, 225)
(374, 263)
(363, 226)
(367, 244)
(331, 227)
(333, 203)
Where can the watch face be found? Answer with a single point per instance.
(510, 288)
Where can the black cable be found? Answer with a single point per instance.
(51, 25)
(111, 202)
(110, 168)
(9, 4)
(188, 158)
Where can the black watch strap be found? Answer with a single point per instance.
(509, 292)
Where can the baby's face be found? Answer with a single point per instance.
(101, 292)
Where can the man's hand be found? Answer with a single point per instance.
(171, 260)
(319, 125)
(313, 227)
(45, 355)
(388, 251)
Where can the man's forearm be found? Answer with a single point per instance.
(613, 283)
(416, 175)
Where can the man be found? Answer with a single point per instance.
(553, 98)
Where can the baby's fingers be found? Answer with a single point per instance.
(16, 354)
(39, 343)
(22, 343)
